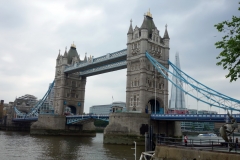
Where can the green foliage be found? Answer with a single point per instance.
(230, 56)
(100, 123)
(206, 128)
(193, 128)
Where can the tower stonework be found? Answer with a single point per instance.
(69, 92)
(143, 95)
(142, 78)
(69, 88)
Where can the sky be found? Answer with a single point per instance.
(33, 32)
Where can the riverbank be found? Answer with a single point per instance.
(180, 153)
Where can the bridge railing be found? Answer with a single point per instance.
(77, 118)
(212, 144)
(195, 117)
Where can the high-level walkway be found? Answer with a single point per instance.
(94, 66)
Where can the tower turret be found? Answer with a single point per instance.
(148, 25)
(143, 92)
(72, 53)
(130, 32)
(166, 37)
(65, 59)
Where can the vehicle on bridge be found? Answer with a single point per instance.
(177, 111)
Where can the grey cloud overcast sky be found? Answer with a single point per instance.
(32, 32)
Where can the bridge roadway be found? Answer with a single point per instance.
(159, 117)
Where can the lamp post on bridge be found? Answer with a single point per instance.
(155, 93)
(154, 76)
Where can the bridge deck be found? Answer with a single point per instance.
(159, 117)
(195, 117)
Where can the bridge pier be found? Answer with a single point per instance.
(168, 128)
(125, 128)
(56, 125)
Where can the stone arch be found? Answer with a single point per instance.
(150, 105)
(73, 109)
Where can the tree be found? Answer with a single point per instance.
(100, 123)
(206, 127)
(230, 56)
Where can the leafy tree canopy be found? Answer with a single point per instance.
(230, 43)
(100, 123)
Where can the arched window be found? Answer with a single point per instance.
(134, 100)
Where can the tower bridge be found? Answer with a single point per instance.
(147, 61)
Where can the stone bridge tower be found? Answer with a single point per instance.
(145, 86)
(69, 89)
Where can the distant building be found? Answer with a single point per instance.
(50, 97)
(192, 111)
(108, 108)
(100, 109)
(25, 103)
(177, 99)
(29, 99)
(197, 126)
(206, 112)
(47, 106)
(118, 107)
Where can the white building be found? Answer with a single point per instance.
(100, 109)
(108, 108)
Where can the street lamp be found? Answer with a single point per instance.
(154, 75)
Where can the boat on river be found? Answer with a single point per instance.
(207, 135)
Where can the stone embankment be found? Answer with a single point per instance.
(163, 152)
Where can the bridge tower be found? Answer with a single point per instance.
(69, 88)
(145, 86)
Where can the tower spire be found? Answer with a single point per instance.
(149, 14)
(59, 54)
(166, 36)
(73, 45)
(65, 53)
(130, 30)
(85, 59)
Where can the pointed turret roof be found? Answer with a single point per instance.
(85, 59)
(72, 53)
(148, 23)
(65, 53)
(130, 30)
(166, 36)
(58, 54)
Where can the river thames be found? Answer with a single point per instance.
(23, 146)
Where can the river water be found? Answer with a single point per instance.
(23, 146)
